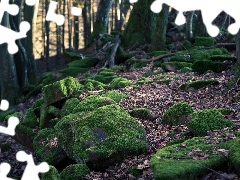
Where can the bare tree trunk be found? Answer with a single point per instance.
(124, 10)
(224, 20)
(159, 39)
(76, 32)
(200, 29)
(87, 21)
(63, 26)
(237, 39)
(117, 15)
(189, 23)
(69, 24)
(9, 81)
(47, 41)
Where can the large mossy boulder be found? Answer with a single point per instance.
(46, 147)
(199, 84)
(30, 119)
(84, 63)
(68, 107)
(191, 159)
(120, 82)
(207, 120)
(204, 41)
(92, 102)
(105, 76)
(73, 71)
(201, 66)
(114, 95)
(177, 114)
(172, 66)
(52, 174)
(60, 90)
(75, 172)
(95, 136)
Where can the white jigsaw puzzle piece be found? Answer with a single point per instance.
(4, 105)
(4, 170)
(12, 123)
(9, 36)
(52, 16)
(31, 171)
(12, 9)
(30, 2)
(76, 11)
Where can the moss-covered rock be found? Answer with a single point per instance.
(191, 161)
(75, 172)
(68, 107)
(199, 84)
(24, 135)
(168, 66)
(3, 114)
(46, 147)
(52, 174)
(186, 69)
(38, 103)
(142, 113)
(60, 90)
(105, 132)
(144, 80)
(84, 63)
(120, 82)
(207, 120)
(177, 114)
(157, 53)
(71, 56)
(234, 155)
(105, 76)
(204, 41)
(179, 58)
(186, 44)
(92, 102)
(202, 66)
(223, 58)
(91, 84)
(136, 63)
(73, 71)
(30, 118)
(116, 96)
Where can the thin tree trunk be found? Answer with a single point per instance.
(189, 23)
(87, 21)
(237, 39)
(69, 25)
(47, 41)
(76, 32)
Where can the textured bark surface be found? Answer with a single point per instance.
(141, 24)
(238, 46)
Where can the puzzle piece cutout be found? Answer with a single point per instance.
(210, 10)
(4, 170)
(52, 16)
(76, 11)
(30, 2)
(12, 36)
(4, 105)
(12, 9)
(31, 171)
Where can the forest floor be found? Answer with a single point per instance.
(157, 97)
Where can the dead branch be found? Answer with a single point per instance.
(157, 57)
(111, 61)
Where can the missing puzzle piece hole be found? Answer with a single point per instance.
(13, 9)
(4, 105)
(24, 27)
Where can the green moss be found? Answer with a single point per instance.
(150, 73)
(120, 82)
(105, 77)
(176, 162)
(177, 114)
(91, 85)
(207, 120)
(52, 174)
(3, 114)
(144, 80)
(142, 113)
(43, 115)
(234, 155)
(186, 69)
(38, 103)
(53, 110)
(46, 147)
(202, 66)
(75, 172)
(68, 107)
(199, 84)
(25, 131)
(157, 53)
(16, 114)
(71, 56)
(84, 63)
(225, 111)
(178, 58)
(73, 71)
(92, 102)
(186, 44)
(133, 170)
(222, 58)
(176, 65)
(105, 132)
(116, 96)
(60, 89)
(30, 118)
(204, 41)
(136, 63)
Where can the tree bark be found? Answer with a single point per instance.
(100, 24)
(159, 40)
(87, 21)
(141, 25)
(237, 39)
(189, 25)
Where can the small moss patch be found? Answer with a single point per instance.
(52, 174)
(175, 65)
(73, 71)
(207, 120)
(120, 82)
(199, 84)
(177, 114)
(201, 66)
(75, 172)
(142, 113)
(116, 96)
(204, 41)
(84, 63)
